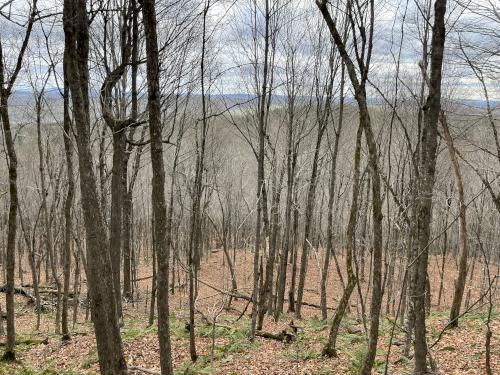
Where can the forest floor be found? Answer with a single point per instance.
(459, 351)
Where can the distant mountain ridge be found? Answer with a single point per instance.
(53, 93)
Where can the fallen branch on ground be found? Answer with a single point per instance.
(283, 336)
(145, 370)
(45, 341)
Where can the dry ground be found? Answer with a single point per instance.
(460, 351)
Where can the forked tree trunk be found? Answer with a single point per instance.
(99, 271)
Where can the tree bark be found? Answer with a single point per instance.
(331, 198)
(462, 227)
(425, 184)
(261, 195)
(330, 347)
(158, 183)
(99, 269)
(311, 198)
(70, 193)
(6, 85)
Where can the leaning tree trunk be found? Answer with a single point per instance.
(359, 85)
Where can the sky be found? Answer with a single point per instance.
(397, 32)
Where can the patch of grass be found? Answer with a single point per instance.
(286, 316)
(352, 338)
(238, 342)
(200, 367)
(132, 330)
(358, 360)
(325, 371)
(476, 356)
(380, 363)
(25, 370)
(206, 331)
(316, 324)
(300, 354)
(178, 328)
(208, 370)
(90, 359)
(187, 368)
(405, 360)
(434, 332)
(347, 321)
(448, 349)
(481, 316)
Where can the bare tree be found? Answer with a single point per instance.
(425, 184)
(462, 232)
(100, 277)
(158, 182)
(362, 28)
(6, 85)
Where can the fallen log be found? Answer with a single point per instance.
(44, 305)
(316, 306)
(283, 336)
(19, 290)
(45, 341)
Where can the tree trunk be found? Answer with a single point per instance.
(425, 184)
(462, 231)
(290, 167)
(68, 148)
(330, 347)
(265, 299)
(117, 203)
(331, 198)
(311, 198)
(158, 183)
(261, 195)
(99, 275)
(12, 221)
(294, 253)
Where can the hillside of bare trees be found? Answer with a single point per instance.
(249, 187)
